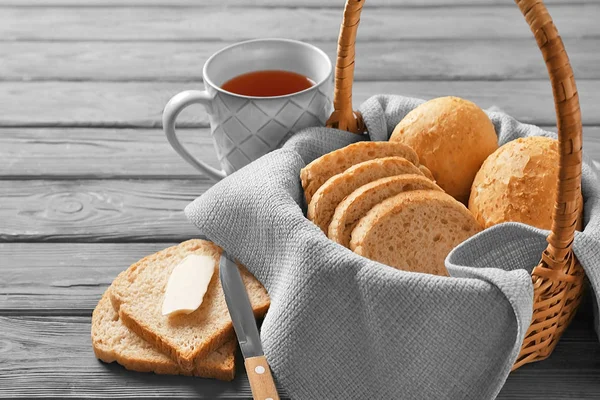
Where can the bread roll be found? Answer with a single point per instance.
(518, 182)
(414, 231)
(452, 137)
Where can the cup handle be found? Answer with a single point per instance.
(172, 110)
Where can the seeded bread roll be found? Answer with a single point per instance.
(350, 210)
(317, 172)
(113, 341)
(518, 183)
(328, 196)
(414, 231)
(452, 137)
(138, 295)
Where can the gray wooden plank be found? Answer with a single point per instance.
(71, 277)
(101, 153)
(381, 60)
(140, 104)
(187, 23)
(103, 211)
(51, 356)
(268, 3)
(69, 153)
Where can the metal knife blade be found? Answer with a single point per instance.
(240, 308)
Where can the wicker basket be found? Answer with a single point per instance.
(558, 278)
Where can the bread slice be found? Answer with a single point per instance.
(426, 172)
(113, 341)
(317, 172)
(138, 295)
(414, 231)
(356, 205)
(328, 196)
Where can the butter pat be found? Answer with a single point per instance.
(188, 284)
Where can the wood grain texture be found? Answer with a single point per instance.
(69, 153)
(189, 23)
(140, 104)
(60, 362)
(101, 153)
(97, 211)
(70, 277)
(137, 54)
(269, 3)
(261, 382)
(381, 60)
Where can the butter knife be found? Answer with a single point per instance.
(244, 324)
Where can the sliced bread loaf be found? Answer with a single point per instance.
(335, 189)
(317, 172)
(113, 341)
(356, 205)
(414, 231)
(138, 295)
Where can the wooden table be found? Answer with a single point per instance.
(89, 184)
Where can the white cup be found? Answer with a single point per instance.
(245, 128)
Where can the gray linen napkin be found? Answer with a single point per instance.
(344, 327)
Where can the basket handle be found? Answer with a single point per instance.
(558, 255)
(343, 117)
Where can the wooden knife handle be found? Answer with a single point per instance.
(261, 380)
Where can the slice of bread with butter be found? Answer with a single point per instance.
(113, 341)
(188, 334)
(188, 284)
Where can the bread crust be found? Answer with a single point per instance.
(320, 170)
(112, 341)
(356, 205)
(325, 200)
(426, 172)
(452, 137)
(518, 183)
(138, 292)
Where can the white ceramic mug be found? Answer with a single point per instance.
(245, 128)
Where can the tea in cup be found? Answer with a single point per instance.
(257, 94)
